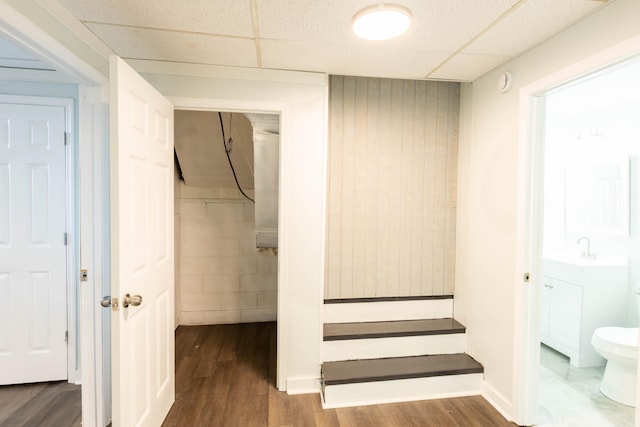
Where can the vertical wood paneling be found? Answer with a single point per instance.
(440, 178)
(395, 186)
(385, 208)
(361, 158)
(392, 187)
(452, 190)
(429, 188)
(372, 184)
(406, 186)
(348, 173)
(334, 228)
(417, 214)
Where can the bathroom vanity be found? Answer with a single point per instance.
(578, 296)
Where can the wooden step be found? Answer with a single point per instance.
(399, 379)
(398, 328)
(395, 368)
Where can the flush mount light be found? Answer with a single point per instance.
(381, 21)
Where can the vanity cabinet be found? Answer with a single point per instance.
(561, 314)
(575, 300)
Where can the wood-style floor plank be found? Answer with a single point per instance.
(225, 376)
(54, 404)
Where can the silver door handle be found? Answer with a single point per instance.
(106, 301)
(134, 300)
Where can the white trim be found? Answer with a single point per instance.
(93, 162)
(29, 36)
(303, 385)
(526, 343)
(210, 104)
(498, 401)
(73, 280)
(378, 348)
(387, 310)
(403, 390)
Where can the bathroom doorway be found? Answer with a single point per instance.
(590, 241)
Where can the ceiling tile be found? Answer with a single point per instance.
(315, 35)
(467, 67)
(220, 17)
(129, 42)
(438, 25)
(531, 24)
(359, 60)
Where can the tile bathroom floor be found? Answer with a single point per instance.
(569, 396)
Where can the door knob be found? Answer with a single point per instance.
(106, 301)
(134, 300)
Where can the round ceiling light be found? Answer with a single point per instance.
(381, 21)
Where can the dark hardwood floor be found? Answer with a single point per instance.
(225, 376)
(54, 404)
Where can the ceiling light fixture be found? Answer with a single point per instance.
(381, 21)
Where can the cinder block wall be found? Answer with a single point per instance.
(223, 277)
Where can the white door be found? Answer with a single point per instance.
(141, 249)
(33, 282)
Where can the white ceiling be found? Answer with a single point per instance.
(449, 39)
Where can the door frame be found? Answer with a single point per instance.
(87, 186)
(261, 107)
(526, 341)
(71, 244)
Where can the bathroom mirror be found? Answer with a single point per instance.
(597, 195)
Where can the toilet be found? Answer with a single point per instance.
(620, 347)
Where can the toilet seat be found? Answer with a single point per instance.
(622, 342)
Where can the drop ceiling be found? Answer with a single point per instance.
(449, 39)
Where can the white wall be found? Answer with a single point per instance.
(486, 274)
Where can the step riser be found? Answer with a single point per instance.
(379, 392)
(376, 348)
(387, 311)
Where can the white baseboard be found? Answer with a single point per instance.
(497, 400)
(303, 385)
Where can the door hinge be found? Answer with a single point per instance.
(66, 238)
(66, 336)
(84, 275)
(526, 277)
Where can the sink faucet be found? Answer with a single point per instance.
(587, 253)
